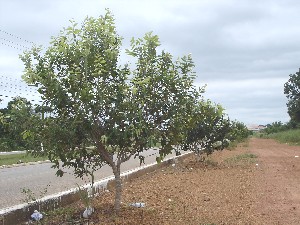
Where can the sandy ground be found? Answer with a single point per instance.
(231, 187)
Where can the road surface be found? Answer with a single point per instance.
(39, 177)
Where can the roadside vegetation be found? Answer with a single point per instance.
(89, 99)
(92, 100)
(282, 132)
(287, 132)
(9, 159)
(241, 159)
(18, 116)
(288, 136)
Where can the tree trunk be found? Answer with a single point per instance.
(118, 188)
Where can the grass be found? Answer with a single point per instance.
(210, 162)
(241, 159)
(64, 214)
(234, 144)
(290, 136)
(20, 157)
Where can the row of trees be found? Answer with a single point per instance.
(121, 110)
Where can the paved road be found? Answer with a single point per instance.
(37, 177)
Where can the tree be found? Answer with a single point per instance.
(292, 92)
(208, 129)
(211, 129)
(238, 132)
(16, 118)
(275, 127)
(164, 92)
(92, 100)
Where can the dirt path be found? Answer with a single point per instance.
(277, 181)
(231, 188)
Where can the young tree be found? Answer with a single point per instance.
(164, 92)
(92, 100)
(211, 129)
(292, 92)
(238, 132)
(208, 130)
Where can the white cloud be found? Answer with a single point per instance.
(250, 100)
(244, 50)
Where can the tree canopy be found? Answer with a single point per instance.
(292, 92)
(15, 119)
(92, 100)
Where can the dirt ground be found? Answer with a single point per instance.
(231, 187)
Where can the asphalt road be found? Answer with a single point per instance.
(39, 177)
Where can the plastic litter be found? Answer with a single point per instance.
(138, 204)
(36, 215)
(296, 156)
(88, 212)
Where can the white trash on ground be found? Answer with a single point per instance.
(36, 215)
(138, 204)
(88, 212)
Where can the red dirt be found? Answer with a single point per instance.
(223, 190)
(277, 182)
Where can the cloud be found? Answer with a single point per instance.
(250, 100)
(244, 50)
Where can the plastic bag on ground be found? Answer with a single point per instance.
(36, 215)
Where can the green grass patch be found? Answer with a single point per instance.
(234, 144)
(210, 162)
(63, 214)
(291, 137)
(244, 158)
(15, 158)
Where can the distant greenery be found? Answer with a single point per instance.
(292, 92)
(17, 158)
(234, 144)
(277, 126)
(284, 133)
(288, 136)
(15, 119)
(288, 132)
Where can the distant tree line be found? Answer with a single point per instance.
(278, 126)
(292, 92)
(15, 119)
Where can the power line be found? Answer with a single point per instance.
(11, 87)
(15, 36)
(14, 43)
(12, 46)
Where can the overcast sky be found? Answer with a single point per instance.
(244, 50)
